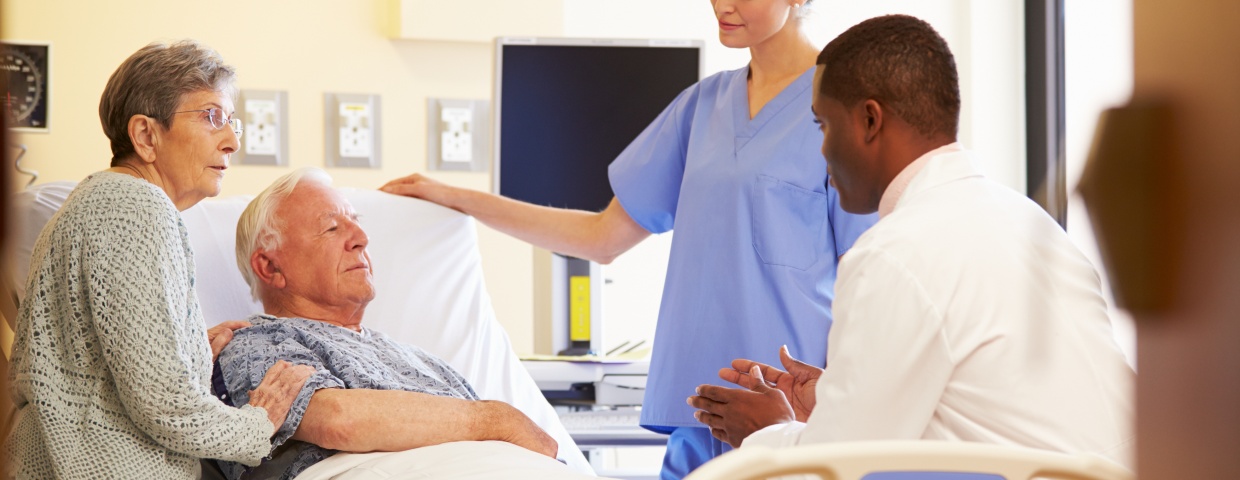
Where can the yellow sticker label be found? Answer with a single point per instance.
(579, 308)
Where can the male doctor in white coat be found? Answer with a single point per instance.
(964, 314)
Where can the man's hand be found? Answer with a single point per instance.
(519, 430)
(733, 414)
(219, 336)
(798, 383)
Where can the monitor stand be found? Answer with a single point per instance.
(576, 303)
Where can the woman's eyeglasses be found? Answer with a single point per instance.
(218, 119)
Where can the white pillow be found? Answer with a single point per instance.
(31, 210)
(429, 289)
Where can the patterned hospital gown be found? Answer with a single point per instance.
(343, 359)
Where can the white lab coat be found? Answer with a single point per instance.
(967, 314)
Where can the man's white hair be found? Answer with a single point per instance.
(259, 228)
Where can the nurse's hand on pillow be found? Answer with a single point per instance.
(596, 236)
(278, 389)
(423, 187)
(733, 413)
(798, 382)
(219, 335)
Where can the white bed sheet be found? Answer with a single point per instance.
(449, 461)
(428, 280)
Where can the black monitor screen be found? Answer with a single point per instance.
(565, 112)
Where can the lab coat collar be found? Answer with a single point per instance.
(895, 189)
(937, 167)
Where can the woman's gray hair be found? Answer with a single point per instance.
(152, 82)
(259, 228)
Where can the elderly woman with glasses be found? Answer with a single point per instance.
(112, 361)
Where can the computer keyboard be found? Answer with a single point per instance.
(601, 420)
(609, 427)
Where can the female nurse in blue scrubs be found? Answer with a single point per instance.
(733, 164)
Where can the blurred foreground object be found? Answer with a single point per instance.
(1132, 187)
(1163, 189)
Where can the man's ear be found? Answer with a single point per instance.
(267, 271)
(873, 118)
(144, 134)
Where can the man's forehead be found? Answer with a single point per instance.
(332, 214)
(318, 201)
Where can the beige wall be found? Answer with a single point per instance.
(309, 47)
(305, 47)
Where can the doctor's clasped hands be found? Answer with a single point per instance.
(768, 396)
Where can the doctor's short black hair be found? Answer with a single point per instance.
(901, 62)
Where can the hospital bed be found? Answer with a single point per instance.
(429, 292)
(909, 460)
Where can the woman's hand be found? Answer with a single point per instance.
(278, 390)
(219, 336)
(421, 186)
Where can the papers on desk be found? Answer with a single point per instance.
(630, 356)
(625, 352)
(586, 358)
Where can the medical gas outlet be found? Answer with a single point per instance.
(456, 136)
(264, 117)
(351, 132)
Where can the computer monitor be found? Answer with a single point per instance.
(564, 109)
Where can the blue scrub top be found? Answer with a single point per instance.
(758, 234)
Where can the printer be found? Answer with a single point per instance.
(602, 383)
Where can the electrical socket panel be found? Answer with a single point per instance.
(455, 139)
(264, 117)
(457, 134)
(351, 130)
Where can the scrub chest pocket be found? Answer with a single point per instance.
(787, 222)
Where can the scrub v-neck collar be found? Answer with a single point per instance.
(746, 127)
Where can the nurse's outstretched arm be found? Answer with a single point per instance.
(597, 236)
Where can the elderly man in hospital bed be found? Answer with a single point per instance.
(964, 314)
(303, 253)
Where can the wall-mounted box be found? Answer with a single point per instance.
(476, 20)
(351, 130)
(264, 115)
(458, 134)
